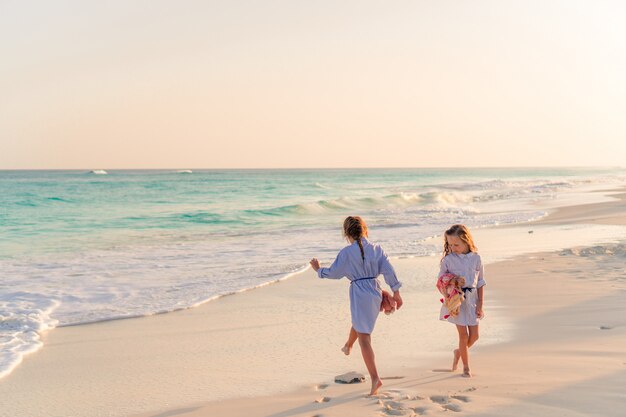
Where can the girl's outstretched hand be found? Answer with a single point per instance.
(315, 264)
(479, 312)
(398, 299)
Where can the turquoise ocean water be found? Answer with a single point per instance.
(80, 246)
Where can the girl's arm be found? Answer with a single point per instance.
(385, 268)
(336, 270)
(443, 267)
(481, 289)
(481, 272)
(479, 303)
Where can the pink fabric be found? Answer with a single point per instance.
(388, 305)
(450, 286)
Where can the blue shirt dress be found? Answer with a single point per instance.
(365, 294)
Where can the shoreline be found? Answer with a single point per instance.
(118, 341)
(198, 304)
(597, 213)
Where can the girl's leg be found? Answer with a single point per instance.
(473, 335)
(350, 342)
(455, 359)
(463, 341)
(365, 342)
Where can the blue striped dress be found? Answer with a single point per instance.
(365, 291)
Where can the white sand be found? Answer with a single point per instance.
(543, 350)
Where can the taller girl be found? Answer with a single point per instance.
(362, 262)
(460, 258)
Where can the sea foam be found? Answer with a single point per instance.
(23, 318)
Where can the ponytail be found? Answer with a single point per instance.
(354, 227)
(361, 247)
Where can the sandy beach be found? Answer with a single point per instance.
(552, 342)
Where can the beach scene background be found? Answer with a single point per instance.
(89, 246)
(168, 169)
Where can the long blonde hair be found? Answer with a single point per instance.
(355, 228)
(463, 233)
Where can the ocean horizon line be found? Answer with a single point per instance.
(322, 168)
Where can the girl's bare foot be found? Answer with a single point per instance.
(346, 350)
(455, 361)
(376, 384)
(466, 373)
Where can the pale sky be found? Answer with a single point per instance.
(279, 84)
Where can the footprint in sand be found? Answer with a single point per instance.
(390, 411)
(321, 387)
(381, 395)
(323, 400)
(606, 327)
(463, 398)
(452, 407)
(398, 405)
(396, 408)
(440, 399)
(420, 410)
(470, 389)
(446, 404)
(393, 412)
(411, 397)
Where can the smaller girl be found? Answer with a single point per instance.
(460, 258)
(362, 262)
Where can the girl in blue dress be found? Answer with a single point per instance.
(362, 262)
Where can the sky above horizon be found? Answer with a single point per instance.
(282, 84)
